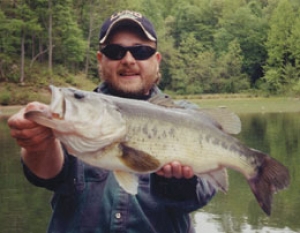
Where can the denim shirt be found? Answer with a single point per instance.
(88, 199)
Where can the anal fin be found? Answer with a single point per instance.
(217, 178)
(127, 181)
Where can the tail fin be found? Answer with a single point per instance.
(271, 177)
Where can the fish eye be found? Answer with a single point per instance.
(79, 95)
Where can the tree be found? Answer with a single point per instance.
(191, 67)
(278, 47)
(199, 19)
(27, 26)
(248, 27)
(292, 70)
(67, 36)
(50, 38)
(5, 46)
(231, 79)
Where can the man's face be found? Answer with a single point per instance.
(129, 77)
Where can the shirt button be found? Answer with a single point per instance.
(118, 215)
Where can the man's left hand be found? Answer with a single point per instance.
(175, 169)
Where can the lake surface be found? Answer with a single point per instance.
(26, 209)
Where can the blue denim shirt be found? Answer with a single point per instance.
(89, 200)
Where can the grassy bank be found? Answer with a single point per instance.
(32, 90)
(242, 105)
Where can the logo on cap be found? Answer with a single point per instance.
(126, 14)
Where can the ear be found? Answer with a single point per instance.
(99, 56)
(158, 57)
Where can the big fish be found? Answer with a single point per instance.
(134, 136)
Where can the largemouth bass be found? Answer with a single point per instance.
(134, 136)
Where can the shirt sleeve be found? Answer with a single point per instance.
(57, 183)
(189, 194)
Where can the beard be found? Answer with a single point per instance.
(139, 91)
(119, 91)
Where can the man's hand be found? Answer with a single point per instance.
(41, 151)
(175, 169)
(28, 134)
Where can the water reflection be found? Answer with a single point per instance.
(211, 223)
(25, 208)
(238, 211)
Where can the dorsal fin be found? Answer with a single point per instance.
(163, 100)
(229, 121)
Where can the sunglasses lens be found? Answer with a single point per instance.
(142, 52)
(117, 52)
(114, 51)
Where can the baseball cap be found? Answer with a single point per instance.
(127, 17)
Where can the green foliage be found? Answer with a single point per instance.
(5, 98)
(208, 46)
(282, 65)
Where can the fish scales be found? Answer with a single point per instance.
(132, 136)
(172, 133)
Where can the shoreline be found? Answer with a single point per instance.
(237, 105)
(7, 111)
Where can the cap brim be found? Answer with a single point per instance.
(128, 20)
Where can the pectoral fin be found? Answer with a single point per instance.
(127, 181)
(138, 160)
(218, 179)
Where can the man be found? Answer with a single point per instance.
(88, 199)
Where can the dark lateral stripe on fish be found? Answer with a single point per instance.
(138, 160)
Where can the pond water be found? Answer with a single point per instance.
(25, 208)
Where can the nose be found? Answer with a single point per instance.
(128, 58)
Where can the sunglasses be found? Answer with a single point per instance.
(117, 52)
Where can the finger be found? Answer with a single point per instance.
(36, 106)
(160, 172)
(37, 131)
(176, 169)
(33, 139)
(32, 145)
(187, 172)
(17, 121)
(167, 171)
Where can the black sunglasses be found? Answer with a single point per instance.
(117, 52)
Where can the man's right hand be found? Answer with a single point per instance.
(28, 134)
(41, 151)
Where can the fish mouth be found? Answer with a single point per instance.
(58, 104)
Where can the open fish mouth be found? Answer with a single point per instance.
(58, 103)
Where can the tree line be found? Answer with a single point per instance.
(208, 46)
